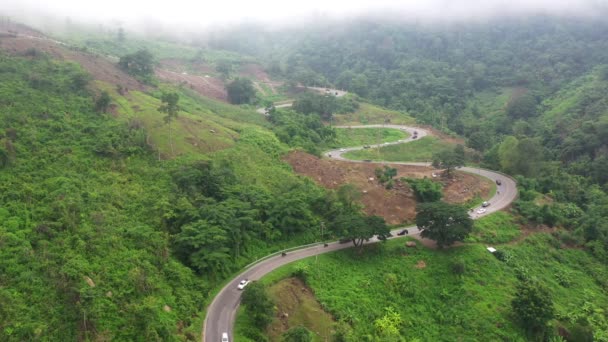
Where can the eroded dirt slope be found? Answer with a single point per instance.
(396, 205)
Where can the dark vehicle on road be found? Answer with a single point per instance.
(403, 232)
(498, 182)
(366, 146)
(485, 204)
(367, 160)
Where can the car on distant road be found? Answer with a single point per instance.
(481, 210)
(498, 182)
(242, 284)
(367, 160)
(225, 337)
(414, 137)
(403, 232)
(485, 204)
(366, 146)
(342, 149)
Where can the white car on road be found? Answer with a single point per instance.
(242, 284)
(481, 210)
(342, 149)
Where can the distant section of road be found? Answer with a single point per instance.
(222, 311)
(284, 104)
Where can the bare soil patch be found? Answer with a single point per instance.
(396, 205)
(205, 85)
(99, 67)
(254, 71)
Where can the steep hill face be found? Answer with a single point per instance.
(115, 225)
(17, 39)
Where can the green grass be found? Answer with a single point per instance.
(368, 114)
(203, 125)
(349, 137)
(419, 150)
(438, 304)
(499, 227)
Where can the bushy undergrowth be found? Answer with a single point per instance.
(499, 227)
(462, 293)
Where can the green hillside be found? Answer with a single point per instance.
(102, 236)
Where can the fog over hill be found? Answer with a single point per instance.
(187, 15)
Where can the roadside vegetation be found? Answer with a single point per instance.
(389, 290)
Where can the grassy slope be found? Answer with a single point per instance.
(203, 125)
(366, 136)
(368, 114)
(107, 43)
(437, 305)
(499, 227)
(419, 150)
(83, 196)
(70, 213)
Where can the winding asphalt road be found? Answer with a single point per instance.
(222, 311)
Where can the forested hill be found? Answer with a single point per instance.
(430, 69)
(529, 93)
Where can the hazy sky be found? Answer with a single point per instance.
(206, 12)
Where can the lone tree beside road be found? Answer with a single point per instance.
(359, 228)
(443, 222)
(449, 159)
(258, 304)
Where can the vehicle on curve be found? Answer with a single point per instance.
(342, 149)
(366, 146)
(481, 210)
(485, 204)
(403, 232)
(498, 182)
(414, 137)
(225, 337)
(242, 284)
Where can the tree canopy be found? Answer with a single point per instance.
(445, 223)
(449, 159)
(139, 64)
(241, 91)
(533, 306)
